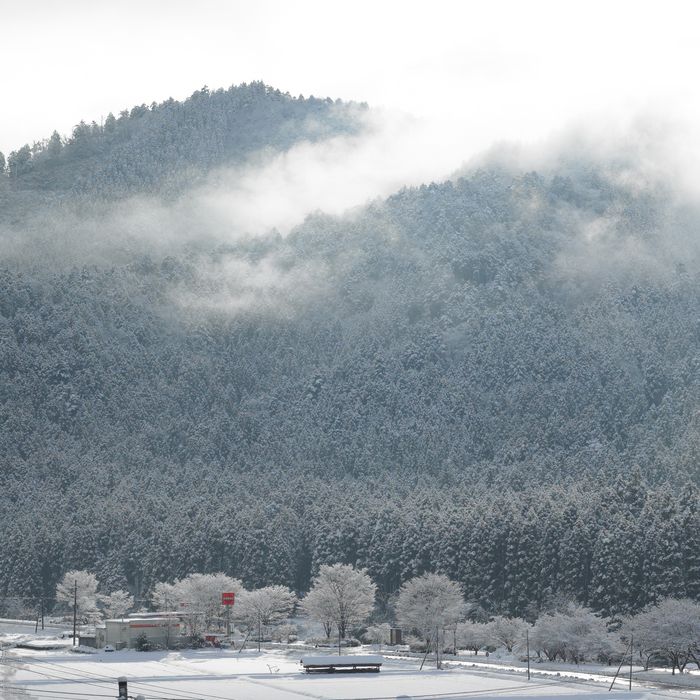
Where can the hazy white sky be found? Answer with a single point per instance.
(489, 70)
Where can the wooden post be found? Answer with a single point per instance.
(622, 661)
(427, 649)
(168, 621)
(245, 640)
(527, 640)
(75, 610)
(631, 655)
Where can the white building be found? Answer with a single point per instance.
(123, 633)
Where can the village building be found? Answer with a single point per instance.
(123, 633)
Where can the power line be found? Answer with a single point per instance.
(92, 678)
(462, 693)
(55, 679)
(82, 677)
(84, 681)
(59, 678)
(63, 692)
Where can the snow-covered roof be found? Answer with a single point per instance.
(145, 621)
(336, 660)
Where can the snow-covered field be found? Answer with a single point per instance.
(212, 674)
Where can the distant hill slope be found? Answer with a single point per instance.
(413, 386)
(165, 148)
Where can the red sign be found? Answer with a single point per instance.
(227, 598)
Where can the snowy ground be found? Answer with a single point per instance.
(274, 675)
(19, 632)
(586, 671)
(28, 627)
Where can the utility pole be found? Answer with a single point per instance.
(258, 630)
(42, 612)
(75, 614)
(527, 640)
(167, 622)
(631, 655)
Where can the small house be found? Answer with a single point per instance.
(123, 633)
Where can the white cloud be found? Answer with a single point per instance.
(503, 69)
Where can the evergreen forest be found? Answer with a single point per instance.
(495, 377)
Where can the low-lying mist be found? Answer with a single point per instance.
(270, 190)
(627, 203)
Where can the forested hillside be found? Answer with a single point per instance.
(166, 148)
(495, 377)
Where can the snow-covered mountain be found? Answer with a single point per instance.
(495, 376)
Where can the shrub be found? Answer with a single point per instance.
(143, 643)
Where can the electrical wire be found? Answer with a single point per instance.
(63, 679)
(83, 679)
(61, 692)
(87, 678)
(84, 682)
(463, 693)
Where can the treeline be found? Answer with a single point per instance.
(342, 600)
(614, 548)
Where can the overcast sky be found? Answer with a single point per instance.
(493, 70)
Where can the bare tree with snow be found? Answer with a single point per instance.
(319, 606)
(671, 628)
(116, 604)
(341, 595)
(546, 638)
(199, 596)
(506, 631)
(80, 586)
(473, 635)
(378, 634)
(574, 633)
(264, 607)
(430, 603)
